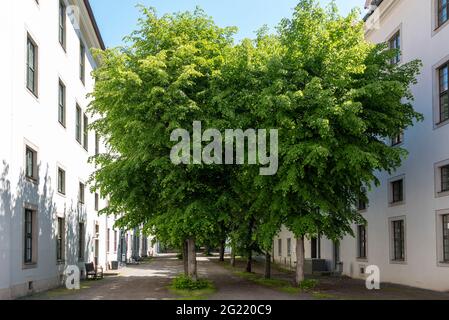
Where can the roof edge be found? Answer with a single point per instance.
(95, 24)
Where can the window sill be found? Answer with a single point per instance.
(439, 28)
(396, 204)
(398, 262)
(441, 124)
(34, 181)
(31, 265)
(60, 262)
(33, 94)
(361, 259)
(362, 210)
(442, 194)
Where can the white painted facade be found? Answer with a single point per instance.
(428, 146)
(27, 120)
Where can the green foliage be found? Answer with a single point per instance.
(335, 99)
(308, 284)
(183, 282)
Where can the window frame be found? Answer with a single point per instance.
(397, 198)
(85, 132)
(440, 10)
(82, 62)
(34, 87)
(395, 243)
(28, 246)
(62, 103)
(395, 42)
(60, 240)
(289, 247)
(62, 25)
(280, 247)
(61, 182)
(34, 176)
(443, 93)
(362, 252)
(81, 193)
(78, 123)
(81, 241)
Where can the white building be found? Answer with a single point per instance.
(407, 235)
(48, 217)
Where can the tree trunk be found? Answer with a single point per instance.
(267, 266)
(191, 259)
(249, 262)
(185, 257)
(299, 260)
(222, 250)
(233, 257)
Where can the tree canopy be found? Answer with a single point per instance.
(334, 98)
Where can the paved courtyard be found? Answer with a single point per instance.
(150, 281)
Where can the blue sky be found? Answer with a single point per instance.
(117, 18)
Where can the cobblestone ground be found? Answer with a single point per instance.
(150, 280)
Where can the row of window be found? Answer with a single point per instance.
(31, 233)
(398, 240)
(31, 172)
(442, 74)
(396, 189)
(32, 78)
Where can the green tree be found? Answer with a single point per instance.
(336, 100)
(160, 82)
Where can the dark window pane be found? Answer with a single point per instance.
(446, 238)
(398, 241)
(397, 188)
(28, 248)
(78, 124)
(445, 178)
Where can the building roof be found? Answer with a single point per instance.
(94, 23)
(369, 4)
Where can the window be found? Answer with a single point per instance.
(395, 43)
(97, 201)
(29, 236)
(397, 189)
(444, 93)
(398, 139)
(32, 70)
(78, 124)
(115, 241)
(444, 178)
(108, 244)
(97, 144)
(280, 247)
(60, 240)
(81, 193)
(31, 163)
(398, 240)
(443, 12)
(82, 63)
(61, 181)
(81, 241)
(289, 247)
(446, 238)
(61, 103)
(62, 24)
(361, 242)
(86, 133)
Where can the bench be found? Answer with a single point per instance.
(96, 272)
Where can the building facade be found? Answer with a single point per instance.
(48, 216)
(407, 231)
